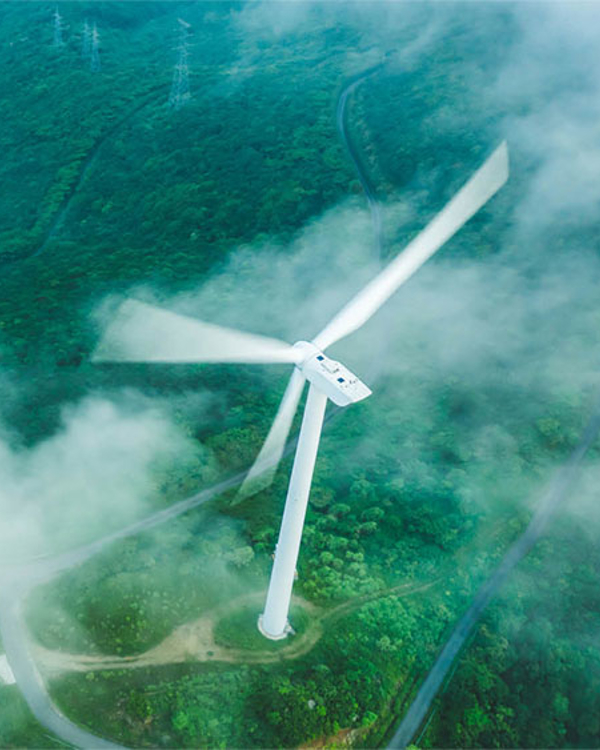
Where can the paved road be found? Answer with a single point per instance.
(374, 205)
(557, 492)
(31, 684)
(15, 584)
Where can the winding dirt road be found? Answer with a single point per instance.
(195, 641)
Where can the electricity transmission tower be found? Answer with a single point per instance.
(58, 29)
(86, 42)
(180, 90)
(95, 50)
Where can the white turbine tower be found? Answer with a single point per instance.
(144, 333)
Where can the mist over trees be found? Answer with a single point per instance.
(244, 209)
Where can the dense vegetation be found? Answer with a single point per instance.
(18, 728)
(132, 166)
(530, 677)
(417, 492)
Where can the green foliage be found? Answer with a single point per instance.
(531, 677)
(18, 727)
(116, 191)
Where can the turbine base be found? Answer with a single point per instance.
(287, 630)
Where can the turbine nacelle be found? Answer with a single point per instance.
(330, 377)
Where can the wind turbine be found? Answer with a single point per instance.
(145, 333)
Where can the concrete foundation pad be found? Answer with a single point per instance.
(286, 631)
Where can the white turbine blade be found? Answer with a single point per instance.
(263, 470)
(145, 333)
(488, 179)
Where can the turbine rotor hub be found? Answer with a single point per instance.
(307, 350)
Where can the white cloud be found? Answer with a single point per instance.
(96, 474)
